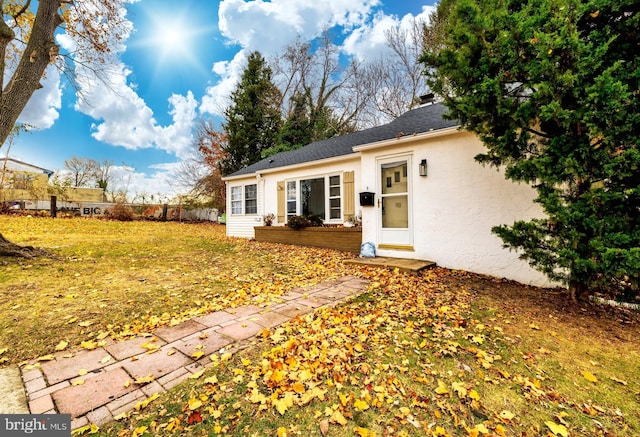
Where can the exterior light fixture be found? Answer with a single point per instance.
(422, 168)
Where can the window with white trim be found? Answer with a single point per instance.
(236, 200)
(244, 199)
(251, 199)
(321, 196)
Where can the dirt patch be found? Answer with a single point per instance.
(551, 308)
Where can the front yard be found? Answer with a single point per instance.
(445, 353)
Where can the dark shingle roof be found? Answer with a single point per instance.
(419, 120)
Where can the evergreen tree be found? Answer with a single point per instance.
(296, 131)
(252, 122)
(551, 88)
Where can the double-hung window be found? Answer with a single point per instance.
(244, 199)
(321, 196)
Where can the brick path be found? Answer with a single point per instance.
(97, 385)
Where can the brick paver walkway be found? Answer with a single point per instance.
(94, 386)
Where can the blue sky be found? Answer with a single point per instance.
(178, 65)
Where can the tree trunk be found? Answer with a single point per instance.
(7, 248)
(578, 291)
(39, 53)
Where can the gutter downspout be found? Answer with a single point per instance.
(260, 180)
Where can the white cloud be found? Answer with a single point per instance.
(122, 117)
(42, 110)
(369, 41)
(268, 27)
(216, 97)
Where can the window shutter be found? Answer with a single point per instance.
(281, 206)
(348, 195)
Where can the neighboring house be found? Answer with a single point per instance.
(21, 182)
(430, 199)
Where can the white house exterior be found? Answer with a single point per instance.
(444, 216)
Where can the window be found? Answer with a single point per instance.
(236, 200)
(251, 199)
(244, 199)
(292, 206)
(321, 196)
(334, 198)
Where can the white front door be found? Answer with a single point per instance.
(394, 203)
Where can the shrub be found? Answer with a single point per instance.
(120, 212)
(304, 221)
(298, 222)
(315, 220)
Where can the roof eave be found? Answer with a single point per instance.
(315, 163)
(408, 139)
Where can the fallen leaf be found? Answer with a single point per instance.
(324, 427)
(360, 405)
(194, 417)
(589, 377)
(145, 379)
(194, 404)
(197, 374)
(46, 358)
(619, 381)
(557, 429)
(507, 415)
(62, 345)
(339, 418)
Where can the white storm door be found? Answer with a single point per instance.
(394, 204)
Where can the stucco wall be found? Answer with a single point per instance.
(455, 206)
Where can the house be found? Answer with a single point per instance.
(414, 185)
(27, 183)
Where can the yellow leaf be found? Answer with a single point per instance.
(197, 374)
(89, 344)
(442, 388)
(62, 345)
(211, 380)
(139, 431)
(197, 355)
(589, 377)
(171, 352)
(78, 382)
(46, 358)
(282, 432)
(482, 428)
(557, 429)
(128, 383)
(145, 379)
(94, 429)
(339, 418)
(194, 404)
(298, 387)
(507, 415)
(85, 323)
(460, 389)
(82, 372)
(105, 360)
(360, 405)
(363, 432)
(474, 395)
